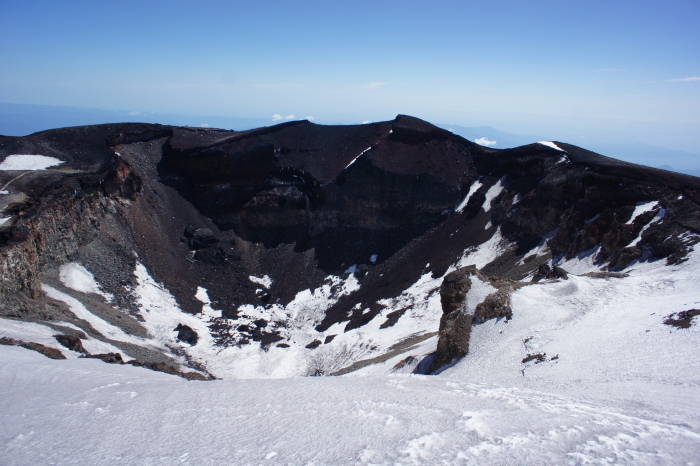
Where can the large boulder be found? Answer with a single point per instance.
(455, 324)
(495, 305)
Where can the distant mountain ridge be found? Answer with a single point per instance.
(25, 119)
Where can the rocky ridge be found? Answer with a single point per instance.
(295, 239)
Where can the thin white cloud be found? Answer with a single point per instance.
(277, 117)
(485, 142)
(135, 112)
(276, 86)
(310, 118)
(368, 87)
(205, 125)
(694, 78)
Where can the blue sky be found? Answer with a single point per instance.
(571, 70)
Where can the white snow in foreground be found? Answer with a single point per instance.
(78, 278)
(616, 386)
(472, 189)
(485, 142)
(29, 162)
(492, 193)
(61, 412)
(264, 281)
(642, 207)
(552, 145)
(4, 220)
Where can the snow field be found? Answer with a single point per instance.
(44, 335)
(78, 278)
(29, 162)
(61, 412)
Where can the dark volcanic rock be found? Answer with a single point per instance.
(71, 342)
(202, 238)
(51, 353)
(111, 358)
(187, 334)
(495, 305)
(314, 344)
(683, 319)
(545, 272)
(454, 289)
(455, 323)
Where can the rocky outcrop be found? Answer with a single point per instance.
(71, 342)
(495, 305)
(62, 214)
(51, 353)
(456, 322)
(545, 272)
(187, 334)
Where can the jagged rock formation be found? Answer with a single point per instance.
(281, 237)
(461, 310)
(456, 323)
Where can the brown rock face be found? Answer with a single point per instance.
(496, 305)
(455, 324)
(71, 342)
(453, 342)
(51, 353)
(454, 289)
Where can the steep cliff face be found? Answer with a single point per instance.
(321, 245)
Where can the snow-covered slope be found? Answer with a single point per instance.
(374, 254)
(614, 385)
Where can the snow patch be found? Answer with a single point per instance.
(265, 281)
(552, 145)
(658, 218)
(477, 293)
(203, 296)
(485, 252)
(492, 193)
(4, 220)
(105, 328)
(78, 278)
(472, 189)
(642, 207)
(29, 162)
(358, 156)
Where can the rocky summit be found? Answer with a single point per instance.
(302, 249)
